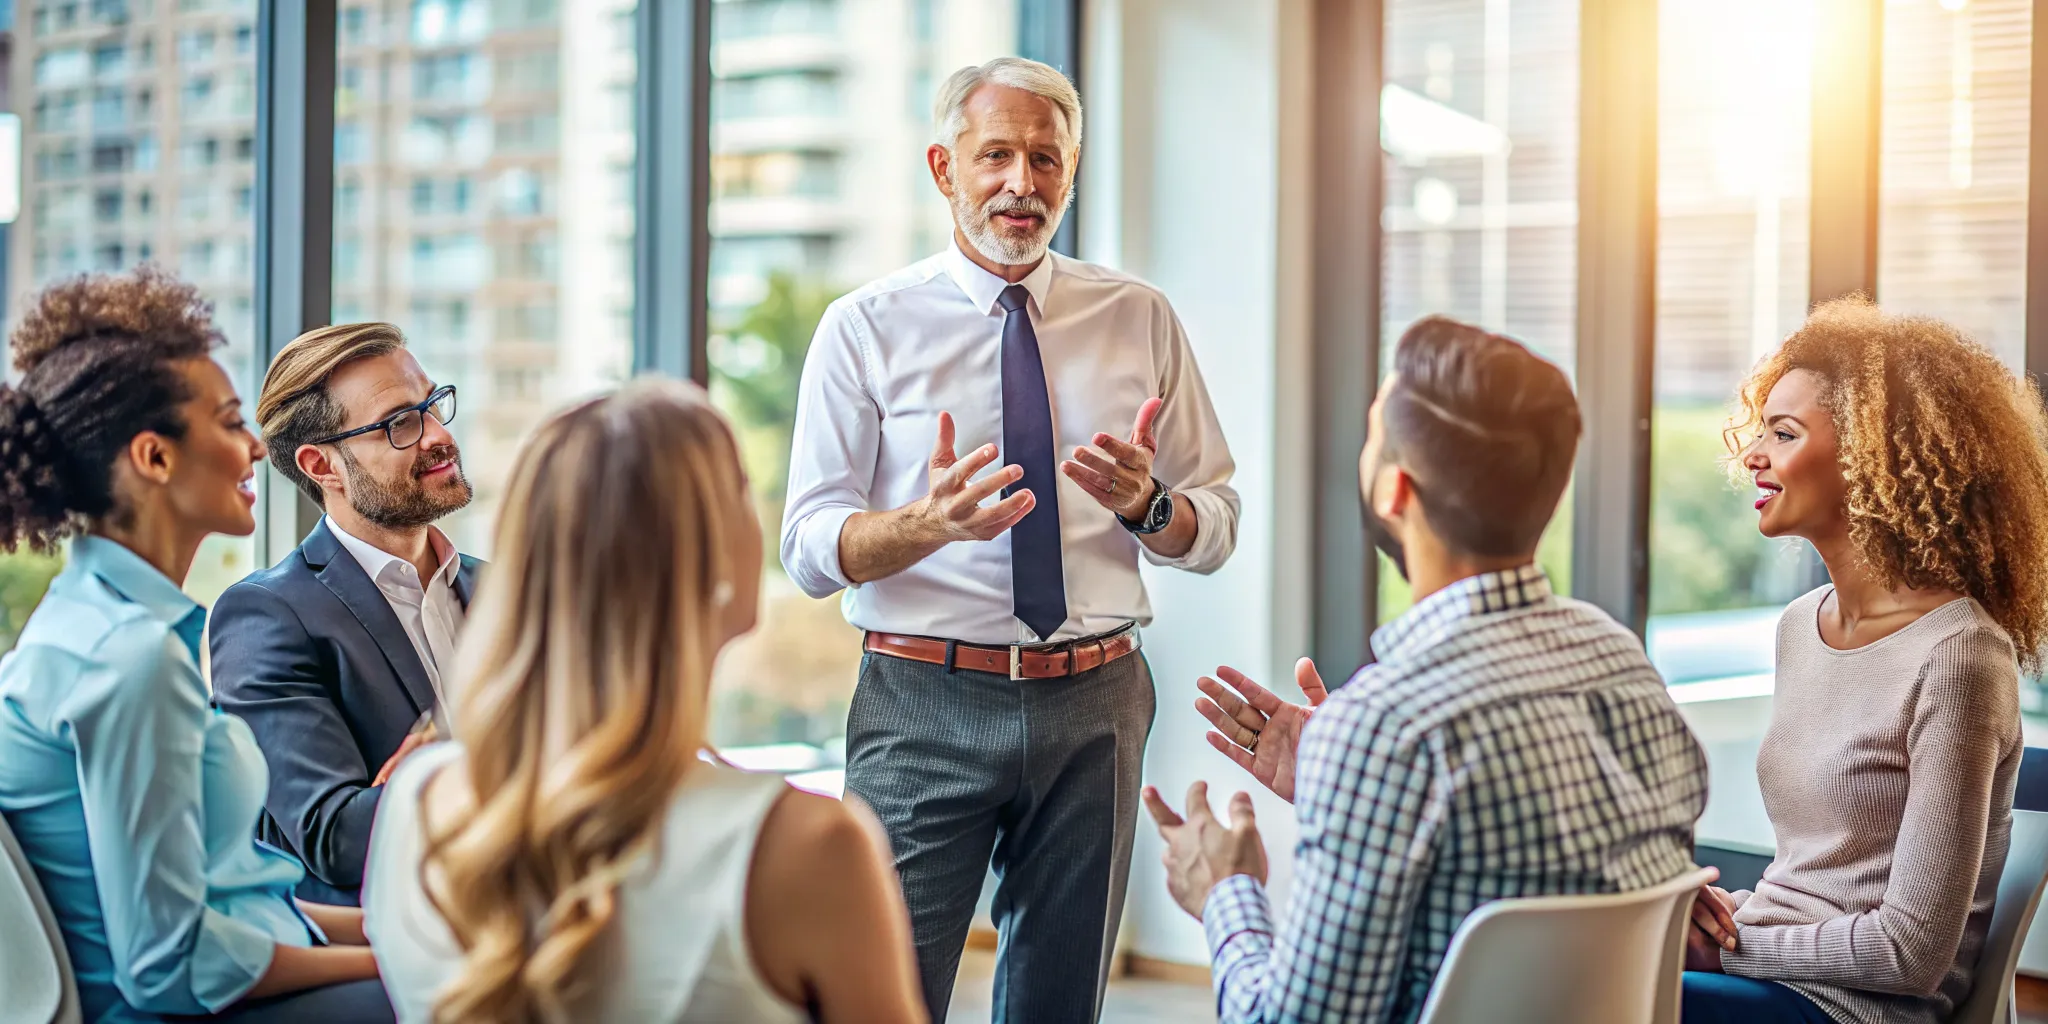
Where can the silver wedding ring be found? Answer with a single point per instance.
(1112, 485)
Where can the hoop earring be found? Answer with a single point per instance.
(721, 595)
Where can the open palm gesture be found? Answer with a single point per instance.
(1116, 473)
(1257, 729)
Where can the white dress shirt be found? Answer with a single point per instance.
(890, 356)
(431, 614)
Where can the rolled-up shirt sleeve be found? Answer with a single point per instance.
(832, 453)
(1193, 458)
(139, 726)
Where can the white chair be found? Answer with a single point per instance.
(35, 970)
(2019, 895)
(1607, 959)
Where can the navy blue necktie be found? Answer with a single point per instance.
(1037, 581)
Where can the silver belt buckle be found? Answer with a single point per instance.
(1016, 662)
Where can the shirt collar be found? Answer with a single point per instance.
(135, 580)
(376, 561)
(1438, 614)
(983, 288)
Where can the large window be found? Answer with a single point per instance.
(1734, 170)
(136, 144)
(821, 112)
(482, 153)
(1734, 257)
(1479, 125)
(1952, 228)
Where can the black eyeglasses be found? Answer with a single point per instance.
(405, 427)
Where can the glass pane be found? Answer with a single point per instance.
(1480, 130)
(1734, 166)
(799, 109)
(483, 202)
(137, 127)
(1952, 220)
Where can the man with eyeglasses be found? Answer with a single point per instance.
(335, 656)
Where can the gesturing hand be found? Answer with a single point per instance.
(952, 509)
(1118, 474)
(1200, 850)
(1259, 730)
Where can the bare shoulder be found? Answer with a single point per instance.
(807, 836)
(819, 895)
(819, 859)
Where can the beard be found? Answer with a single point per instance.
(1382, 532)
(408, 504)
(994, 243)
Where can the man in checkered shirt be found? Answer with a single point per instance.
(1508, 741)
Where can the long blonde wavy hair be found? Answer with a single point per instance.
(580, 695)
(1944, 451)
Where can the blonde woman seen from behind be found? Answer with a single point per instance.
(574, 858)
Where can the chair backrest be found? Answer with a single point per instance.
(2019, 895)
(1606, 959)
(35, 970)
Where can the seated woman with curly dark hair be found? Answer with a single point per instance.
(134, 800)
(1916, 464)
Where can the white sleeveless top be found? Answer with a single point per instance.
(678, 948)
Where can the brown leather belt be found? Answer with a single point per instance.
(1056, 661)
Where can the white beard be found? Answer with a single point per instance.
(979, 227)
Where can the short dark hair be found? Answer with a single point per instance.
(97, 357)
(294, 406)
(1487, 430)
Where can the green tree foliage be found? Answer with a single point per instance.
(24, 576)
(756, 360)
(1705, 552)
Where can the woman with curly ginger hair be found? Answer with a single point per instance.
(135, 802)
(1916, 464)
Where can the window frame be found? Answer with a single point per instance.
(1616, 275)
(297, 55)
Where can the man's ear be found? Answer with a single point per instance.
(314, 463)
(940, 160)
(1393, 491)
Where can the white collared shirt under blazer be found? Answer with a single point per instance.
(892, 355)
(430, 612)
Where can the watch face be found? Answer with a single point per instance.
(1157, 514)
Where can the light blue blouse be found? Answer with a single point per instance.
(135, 800)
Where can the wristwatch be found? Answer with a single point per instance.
(1158, 513)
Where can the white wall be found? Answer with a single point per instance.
(1188, 182)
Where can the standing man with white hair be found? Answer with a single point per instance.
(1001, 709)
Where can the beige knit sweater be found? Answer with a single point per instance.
(1888, 774)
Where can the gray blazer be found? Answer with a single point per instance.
(310, 654)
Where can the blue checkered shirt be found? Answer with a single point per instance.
(1508, 742)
